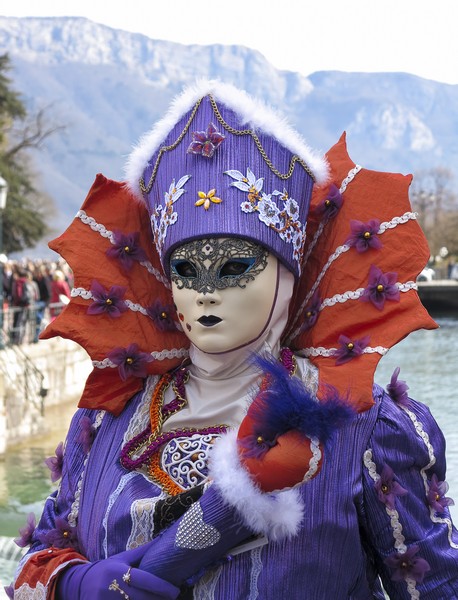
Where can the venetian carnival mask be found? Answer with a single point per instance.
(224, 290)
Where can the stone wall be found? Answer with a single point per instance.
(34, 377)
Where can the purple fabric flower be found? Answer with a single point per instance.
(330, 206)
(63, 536)
(205, 142)
(349, 348)
(436, 495)
(9, 591)
(311, 312)
(387, 488)
(86, 436)
(26, 532)
(126, 249)
(364, 235)
(381, 287)
(110, 301)
(397, 390)
(130, 361)
(408, 565)
(54, 463)
(162, 316)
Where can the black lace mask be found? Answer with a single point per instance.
(217, 263)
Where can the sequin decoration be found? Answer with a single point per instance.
(193, 533)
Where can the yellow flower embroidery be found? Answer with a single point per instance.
(205, 199)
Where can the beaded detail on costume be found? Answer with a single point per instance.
(194, 533)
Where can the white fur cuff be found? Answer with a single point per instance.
(276, 515)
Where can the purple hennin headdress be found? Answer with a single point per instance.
(221, 163)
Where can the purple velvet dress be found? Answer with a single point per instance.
(374, 513)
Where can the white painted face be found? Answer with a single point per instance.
(224, 290)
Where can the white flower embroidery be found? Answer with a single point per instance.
(268, 211)
(164, 216)
(176, 191)
(276, 210)
(247, 183)
(247, 207)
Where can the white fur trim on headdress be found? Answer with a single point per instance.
(276, 515)
(252, 112)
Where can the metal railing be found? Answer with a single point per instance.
(22, 325)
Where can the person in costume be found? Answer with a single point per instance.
(235, 296)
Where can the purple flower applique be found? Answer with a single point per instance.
(126, 249)
(311, 312)
(436, 495)
(381, 287)
(205, 142)
(26, 532)
(54, 463)
(130, 361)
(330, 206)
(63, 536)
(87, 433)
(162, 316)
(387, 488)
(110, 302)
(397, 389)
(407, 565)
(350, 349)
(364, 235)
(9, 591)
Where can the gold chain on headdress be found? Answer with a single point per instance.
(294, 159)
(146, 189)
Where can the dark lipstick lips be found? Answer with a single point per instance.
(209, 321)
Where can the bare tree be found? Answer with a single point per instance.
(436, 202)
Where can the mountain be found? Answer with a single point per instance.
(109, 86)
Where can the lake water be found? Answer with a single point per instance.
(429, 364)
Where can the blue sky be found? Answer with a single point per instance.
(414, 36)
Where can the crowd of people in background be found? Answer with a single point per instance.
(34, 292)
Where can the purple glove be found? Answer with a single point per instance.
(204, 534)
(101, 580)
